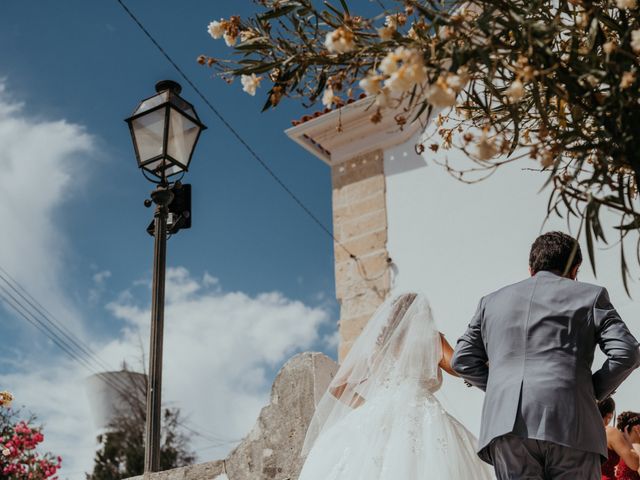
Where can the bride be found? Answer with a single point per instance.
(379, 419)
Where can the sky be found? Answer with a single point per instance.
(250, 284)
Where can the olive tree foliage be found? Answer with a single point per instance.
(554, 81)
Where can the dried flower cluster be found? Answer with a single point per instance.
(555, 81)
(5, 399)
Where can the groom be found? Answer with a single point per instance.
(530, 346)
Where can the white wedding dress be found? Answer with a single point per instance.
(380, 419)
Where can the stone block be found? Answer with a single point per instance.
(363, 225)
(369, 273)
(363, 245)
(357, 169)
(358, 191)
(202, 471)
(364, 304)
(358, 208)
(350, 328)
(282, 425)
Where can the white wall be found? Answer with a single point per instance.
(458, 242)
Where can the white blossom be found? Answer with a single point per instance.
(440, 94)
(340, 40)
(230, 40)
(383, 98)
(456, 82)
(6, 452)
(635, 41)
(400, 81)
(328, 97)
(515, 91)
(626, 4)
(216, 29)
(406, 77)
(486, 148)
(386, 33)
(391, 21)
(389, 64)
(247, 35)
(405, 68)
(372, 83)
(250, 83)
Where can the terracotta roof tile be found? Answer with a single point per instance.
(319, 113)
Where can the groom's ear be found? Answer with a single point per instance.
(531, 272)
(573, 274)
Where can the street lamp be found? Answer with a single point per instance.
(165, 129)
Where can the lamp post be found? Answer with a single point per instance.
(165, 129)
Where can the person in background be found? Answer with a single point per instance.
(618, 445)
(629, 424)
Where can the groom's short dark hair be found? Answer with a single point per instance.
(555, 252)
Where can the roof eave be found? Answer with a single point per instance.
(348, 132)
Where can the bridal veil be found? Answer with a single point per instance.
(399, 344)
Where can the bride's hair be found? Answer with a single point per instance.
(627, 420)
(400, 306)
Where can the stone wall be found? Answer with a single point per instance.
(271, 451)
(360, 224)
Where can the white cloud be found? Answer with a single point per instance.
(100, 277)
(220, 351)
(220, 348)
(99, 284)
(39, 165)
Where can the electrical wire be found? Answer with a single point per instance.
(234, 132)
(30, 310)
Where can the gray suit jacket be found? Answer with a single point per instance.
(530, 346)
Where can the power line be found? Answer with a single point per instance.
(60, 341)
(45, 314)
(54, 329)
(24, 304)
(235, 133)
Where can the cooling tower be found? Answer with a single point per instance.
(113, 392)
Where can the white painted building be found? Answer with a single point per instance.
(453, 241)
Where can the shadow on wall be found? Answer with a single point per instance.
(404, 158)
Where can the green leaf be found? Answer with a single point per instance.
(322, 81)
(260, 68)
(338, 13)
(633, 225)
(421, 110)
(277, 12)
(624, 267)
(268, 103)
(589, 235)
(345, 7)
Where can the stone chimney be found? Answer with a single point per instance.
(353, 147)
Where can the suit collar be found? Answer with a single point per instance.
(547, 273)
